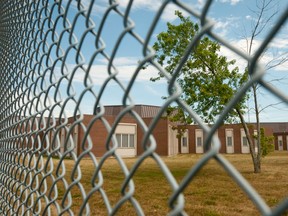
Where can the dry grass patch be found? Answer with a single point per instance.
(211, 192)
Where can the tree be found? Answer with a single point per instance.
(208, 80)
(262, 20)
(266, 142)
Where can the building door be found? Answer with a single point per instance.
(229, 141)
(244, 142)
(184, 143)
(280, 143)
(199, 141)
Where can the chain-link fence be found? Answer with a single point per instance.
(47, 52)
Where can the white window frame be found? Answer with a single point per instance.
(199, 145)
(184, 141)
(280, 143)
(244, 141)
(130, 130)
(199, 141)
(129, 135)
(245, 148)
(229, 136)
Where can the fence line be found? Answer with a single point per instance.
(47, 53)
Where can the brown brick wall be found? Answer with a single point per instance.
(284, 138)
(99, 134)
(191, 138)
(160, 134)
(222, 137)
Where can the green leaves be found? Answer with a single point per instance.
(266, 142)
(207, 80)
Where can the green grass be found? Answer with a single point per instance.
(211, 192)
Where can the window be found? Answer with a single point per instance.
(244, 141)
(199, 141)
(118, 137)
(184, 141)
(229, 141)
(280, 142)
(131, 141)
(125, 140)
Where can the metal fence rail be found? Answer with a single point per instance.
(43, 47)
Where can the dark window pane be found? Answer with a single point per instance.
(229, 141)
(199, 141)
(245, 141)
(131, 141)
(125, 140)
(118, 137)
(184, 141)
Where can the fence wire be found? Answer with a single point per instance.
(43, 50)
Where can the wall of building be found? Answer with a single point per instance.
(99, 134)
(160, 134)
(281, 138)
(165, 136)
(233, 130)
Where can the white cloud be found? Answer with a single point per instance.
(268, 56)
(99, 7)
(120, 61)
(240, 62)
(222, 27)
(280, 43)
(226, 26)
(126, 67)
(248, 17)
(169, 13)
(142, 4)
(152, 5)
(241, 45)
(232, 2)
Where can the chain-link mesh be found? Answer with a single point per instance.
(43, 50)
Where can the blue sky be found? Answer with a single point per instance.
(233, 20)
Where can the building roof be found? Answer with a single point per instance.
(150, 111)
(277, 127)
(145, 111)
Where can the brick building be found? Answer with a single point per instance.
(280, 133)
(130, 135)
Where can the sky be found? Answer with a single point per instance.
(233, 21)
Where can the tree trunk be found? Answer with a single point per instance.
(259, 154)
(255, 158)
(257, 165)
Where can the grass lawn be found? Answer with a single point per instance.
(211, 192)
